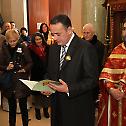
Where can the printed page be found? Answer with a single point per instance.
(40, 86)
(28, 83)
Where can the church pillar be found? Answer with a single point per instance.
(93, 12)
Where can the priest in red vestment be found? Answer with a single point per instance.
(112, 105)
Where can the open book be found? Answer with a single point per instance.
(40, 85)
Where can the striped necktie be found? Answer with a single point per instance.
(62, 55)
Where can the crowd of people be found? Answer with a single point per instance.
(24, 57)
(86, 82)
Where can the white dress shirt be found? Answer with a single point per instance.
(67, 46)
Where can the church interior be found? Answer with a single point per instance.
(105, 15)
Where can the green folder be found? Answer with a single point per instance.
(39, 85)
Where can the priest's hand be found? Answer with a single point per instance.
(60, 88)
(116, 93)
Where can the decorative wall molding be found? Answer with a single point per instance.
(118, 7)
(117, 14)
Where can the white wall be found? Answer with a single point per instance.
(6, 10)
(14, 12)
(25, 21)
(76, 15)
(17, 12)
(0, 6)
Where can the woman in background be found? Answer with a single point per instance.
(39, 54)
(44, 30)
(15, 58)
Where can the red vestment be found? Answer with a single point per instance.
(112, 112)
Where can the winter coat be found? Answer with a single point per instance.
(21, 59)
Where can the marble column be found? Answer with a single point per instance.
(93, 12)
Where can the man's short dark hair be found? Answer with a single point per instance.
(63, 19)
(12, 22)
(23, 29)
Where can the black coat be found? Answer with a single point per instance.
(81, 74)
(100, 48)
(22, 60)
(38, 72)
(39, 67)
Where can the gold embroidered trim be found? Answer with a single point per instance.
(101, 114)
(103, 78)
(114, 71)
(114, 114)
(109, 110)
(120, 113)
(124, 81)
(120, 56)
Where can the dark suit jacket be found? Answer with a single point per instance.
(81, 74)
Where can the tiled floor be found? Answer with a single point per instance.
(33, 122)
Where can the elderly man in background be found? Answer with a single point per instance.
(7, 26)
(89, 35)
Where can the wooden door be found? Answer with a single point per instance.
(38, 12)
(59, 7)
(118, 13)
(43, 10)
(118, 18)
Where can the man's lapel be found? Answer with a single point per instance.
(57, 56)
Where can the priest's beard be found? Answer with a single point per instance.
(124, 39)
(125, 43)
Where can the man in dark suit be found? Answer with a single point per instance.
(73, 102)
